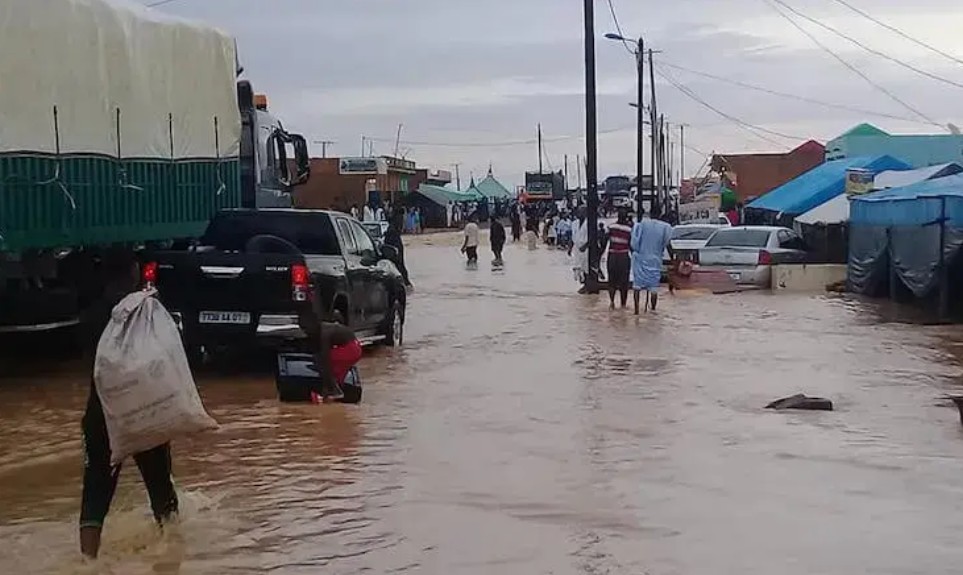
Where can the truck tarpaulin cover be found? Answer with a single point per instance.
(89, 58)
(901, 227)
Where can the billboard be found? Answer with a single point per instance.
(702, 211)
(859, 181)
(363, 166)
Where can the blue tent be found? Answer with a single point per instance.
(820, 184)
(906, 233)
(918, 204)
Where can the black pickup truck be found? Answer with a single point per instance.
(256, 274)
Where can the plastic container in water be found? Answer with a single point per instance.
(298, 382)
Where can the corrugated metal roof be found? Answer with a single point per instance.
(820, 184)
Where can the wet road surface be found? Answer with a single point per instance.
(524, 429)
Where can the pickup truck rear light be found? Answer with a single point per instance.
(300, 282)
(765, 258)
(148, 274)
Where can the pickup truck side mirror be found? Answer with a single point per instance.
(389, 253)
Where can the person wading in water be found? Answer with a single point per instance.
(651, 237)
(497, 236)
(619, 262)
(100, 477)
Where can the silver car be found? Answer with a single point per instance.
(747, 253)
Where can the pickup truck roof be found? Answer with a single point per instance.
(229, 230)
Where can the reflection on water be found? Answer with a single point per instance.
(524, 429)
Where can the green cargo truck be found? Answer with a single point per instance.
(119, 126)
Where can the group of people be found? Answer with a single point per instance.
(635, 258)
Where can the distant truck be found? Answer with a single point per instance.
(123, 128)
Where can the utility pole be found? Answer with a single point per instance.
(655, 130)
(398, 139)
(640, 117)
(324, 146)
(363, 142)
(681, 154)
(591, 151)
(457, 176)
(566, 173)
(539, 149)
(578, 168)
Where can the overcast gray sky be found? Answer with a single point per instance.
(486, 71)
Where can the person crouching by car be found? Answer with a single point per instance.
(336, 351)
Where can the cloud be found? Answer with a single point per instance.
(468, 72)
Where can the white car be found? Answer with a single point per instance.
(747, 253)
(688, 239)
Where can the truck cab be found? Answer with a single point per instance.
(273, 160)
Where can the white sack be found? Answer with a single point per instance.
(143, 379)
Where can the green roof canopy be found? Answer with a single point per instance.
(442, 195)
(492, 188)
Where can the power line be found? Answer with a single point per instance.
(869, 49)
(845, 63)
(618, 28)
(789, 95)
(896, 30)
(160, 3)
(751, 128)
(502, 144)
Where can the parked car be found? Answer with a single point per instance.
(253, 276)
(747, 253)
(688, 239)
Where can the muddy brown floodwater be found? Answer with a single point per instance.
(524, 429)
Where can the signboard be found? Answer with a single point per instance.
(704, 210)
(439, 176)
(400, 164)
(363, 166)
(859, 181)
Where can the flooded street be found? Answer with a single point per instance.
(525, 429)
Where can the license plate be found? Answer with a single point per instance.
(735, 276)
(228, 317)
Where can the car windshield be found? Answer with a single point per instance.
(744, 238)
(311, 233)
(693, 233)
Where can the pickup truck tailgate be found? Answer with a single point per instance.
(224, 288)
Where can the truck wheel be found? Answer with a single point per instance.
(395, 329)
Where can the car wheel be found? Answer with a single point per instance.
(395, 329)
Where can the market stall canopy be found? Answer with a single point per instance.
(898, 179)
(443, 196)
(820, 185)
(491, 188)
(835, 211)
(918, 204)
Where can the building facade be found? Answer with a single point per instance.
(754, 175)
(917, 150)
(339, 183)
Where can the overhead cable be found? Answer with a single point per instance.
(751, 128)
(852, 68)
(896, 30)
(790, 95)
(869, 49)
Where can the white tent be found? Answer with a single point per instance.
(898, 179)
(834, 211)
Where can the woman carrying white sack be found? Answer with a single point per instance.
(142, 395)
